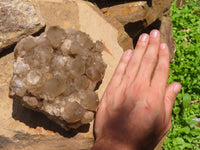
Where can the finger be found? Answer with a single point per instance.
(161, 73)
(150, 57)
(120, 70)
(100, 118)
(170, 97)
(135, 61)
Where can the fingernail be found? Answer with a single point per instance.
(144, 37)
(177, 88)
(128, 53)
(163, 46)
(154, 33)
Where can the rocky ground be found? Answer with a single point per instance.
(116, 24)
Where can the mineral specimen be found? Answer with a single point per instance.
(56, 74)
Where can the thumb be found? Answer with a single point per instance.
(170, 97)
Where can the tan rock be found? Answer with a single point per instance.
(18, 19)
(128, 12)
(138, 16)
(156, 11)
(77, 14)
(22, 128)
(87, 18)
(166, 34)
(138, 11)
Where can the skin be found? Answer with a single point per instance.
(135, 111)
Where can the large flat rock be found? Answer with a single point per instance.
(22, 128)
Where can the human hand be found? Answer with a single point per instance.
(135, 111)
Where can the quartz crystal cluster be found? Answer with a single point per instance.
(57, 74)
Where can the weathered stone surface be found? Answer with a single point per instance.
(137, 17)
(166, 33)
(18, 19)
(77, 14)
(159, 7)
(91, 21)
(22, 128)
(128, 12)
(56, 73)
(147, 11)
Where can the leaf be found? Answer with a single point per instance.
(186, 130)
(191, 121)
(187, 145)
(186, 100)
(178, 140)
(176, 110)
(195, 131)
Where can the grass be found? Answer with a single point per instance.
(185, 131)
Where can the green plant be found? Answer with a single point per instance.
(185, 132)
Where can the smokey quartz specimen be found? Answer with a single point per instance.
(56, 74)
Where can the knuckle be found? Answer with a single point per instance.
(162, 68)
(123, 60)
(164, 53)
(134, 62)
(122, 88)
(109, 92)
(107, 97)
(149, 59)
(127, 80)
(164, 56)
(118, 72)
(154, 42)
(156, 94)
(148, 107)
(170, 97)
(140, 45)
(136, 88)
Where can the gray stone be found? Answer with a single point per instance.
(18, 19)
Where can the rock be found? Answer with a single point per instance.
(128, 12)
(78, 14)
(166, 34)
(137, 17)
(56, 74)
(131, 15)
(22, 128)
(86, 17)
(159, 7)
(147, 11)
(18, 19)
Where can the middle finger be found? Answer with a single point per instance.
(150, 58)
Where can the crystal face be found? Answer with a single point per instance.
(56, 74)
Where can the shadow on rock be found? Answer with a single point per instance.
(35, 119)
